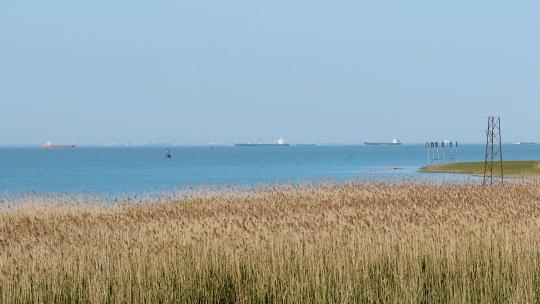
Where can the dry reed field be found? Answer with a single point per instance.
(349, 243)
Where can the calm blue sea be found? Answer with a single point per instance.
(143, 170)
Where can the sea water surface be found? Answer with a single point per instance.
(145, 169)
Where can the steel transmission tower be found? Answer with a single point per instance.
(493, 166)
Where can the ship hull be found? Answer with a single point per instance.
(58, 146)
(262, 145)
(381, 144)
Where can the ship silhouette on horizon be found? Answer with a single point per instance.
(280, 142)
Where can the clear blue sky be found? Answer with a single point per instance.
(101, 71)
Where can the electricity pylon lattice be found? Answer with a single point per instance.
(493, 166)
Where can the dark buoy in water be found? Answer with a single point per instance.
(168, 154)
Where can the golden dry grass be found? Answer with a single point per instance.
(350, 243)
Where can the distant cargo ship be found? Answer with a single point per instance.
(49, 145)
(395, 142)
(522, 143)
(280, 142)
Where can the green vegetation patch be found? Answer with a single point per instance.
(514, 168)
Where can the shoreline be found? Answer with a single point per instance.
(528, 169)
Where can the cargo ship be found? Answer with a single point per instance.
(280, 142)
(49, 145)
(395, 142)
(517, 142)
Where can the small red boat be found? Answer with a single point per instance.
(48, 145)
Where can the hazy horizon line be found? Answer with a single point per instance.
(33, 145)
